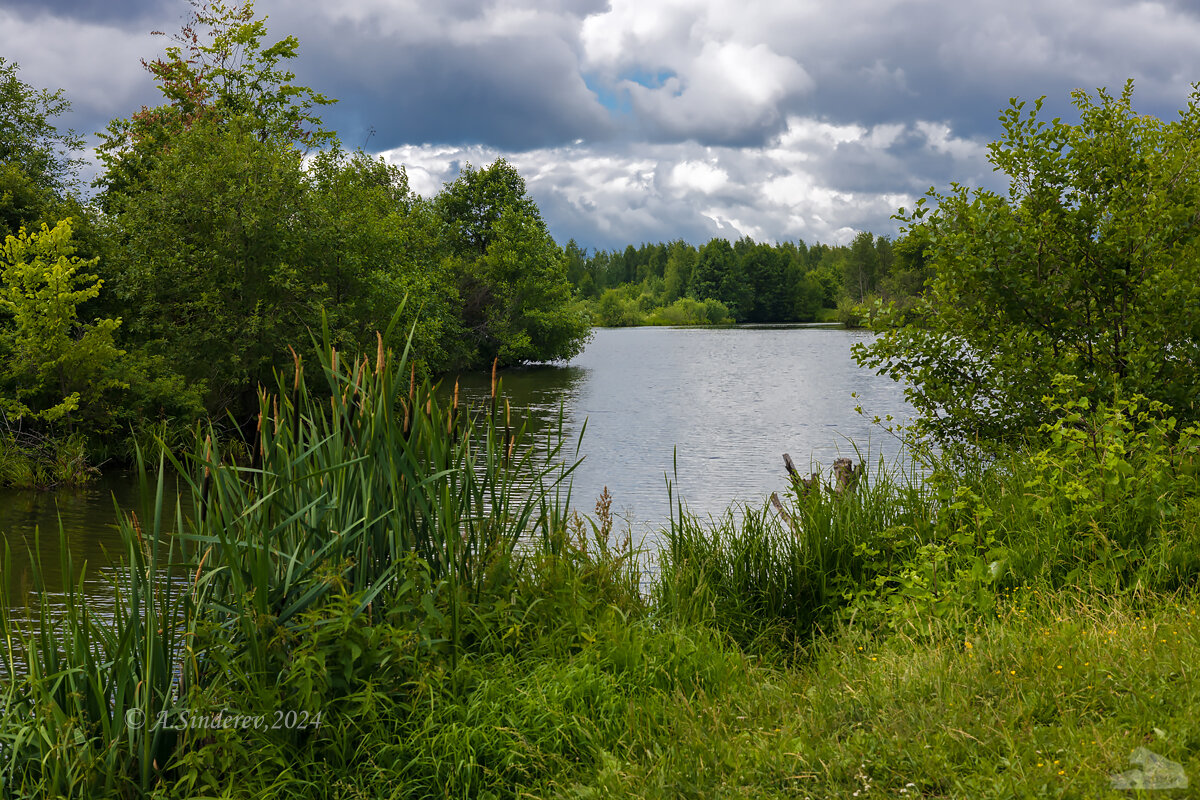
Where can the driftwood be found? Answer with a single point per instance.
(779, 507)
(846, 476)
(802, 485)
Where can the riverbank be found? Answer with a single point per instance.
(401, 605)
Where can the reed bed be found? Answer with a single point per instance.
(366, 499)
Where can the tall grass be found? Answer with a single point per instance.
(29, 461)
(783, 574)
(412, 573)
(348, 482)
(366, 499)
(1107, 500)
(82, 686)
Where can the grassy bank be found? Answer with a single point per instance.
(393, 600)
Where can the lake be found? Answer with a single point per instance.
(713, 409)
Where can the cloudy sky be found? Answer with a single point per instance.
(649, 120)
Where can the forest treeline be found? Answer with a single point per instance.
(225, 227)
(677, 283)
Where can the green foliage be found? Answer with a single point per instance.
(511, 276)
(28, 138)
(369, 243)
(686, 311)
(209, 260)
(408, 518)
(37, 161)
(407, 570)
(218, 71)
(56, 367)
(1115, 487)
(29, 460)
(719, 274)
(84, 686)
(753, 282)
(1108, 501)
(861, 267)
(224, 242)
(1087, 268)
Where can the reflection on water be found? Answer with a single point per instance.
(29, 525)
(716, 408)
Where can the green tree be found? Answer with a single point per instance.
(1086, 268)
(576, 261)
(715, 261)
(809, 298)
(772, 296)
(210, 259)
(861, 266)
(217, 70)
(37, 161)
(510, 274)
(54, 367)
(369, 244)
(910, 269)
(677, 273)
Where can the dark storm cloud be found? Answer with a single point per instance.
(122, 12)
(514, 92)
(961, 62)
(652, 119)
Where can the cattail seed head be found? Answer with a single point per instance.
(296, 362)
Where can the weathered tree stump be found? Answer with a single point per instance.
(847, 475)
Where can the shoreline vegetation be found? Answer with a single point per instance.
(391, 572)
(379, 593)
(745, 282)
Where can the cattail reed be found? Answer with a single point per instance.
(296, 365)
(206, 481)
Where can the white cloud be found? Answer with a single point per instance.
(652, 119)
(941, 139)
(788, 189)
(698, 176)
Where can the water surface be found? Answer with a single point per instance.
(713, 409)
